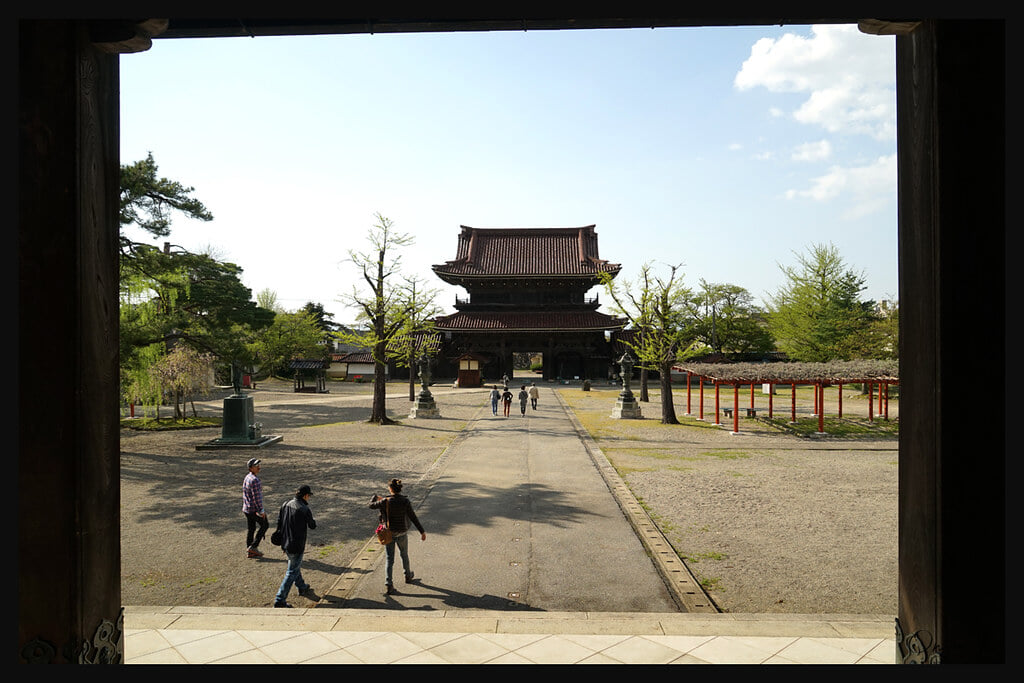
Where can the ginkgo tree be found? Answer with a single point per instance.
(655, 305)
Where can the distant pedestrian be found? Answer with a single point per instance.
(523, 395)
(396, 510)
(506, 400)
(294, 518)
(252, 508)
(495, 397)
(534, 395)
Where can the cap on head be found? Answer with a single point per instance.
(303, 491)
(253, 462)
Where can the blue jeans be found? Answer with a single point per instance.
(292, 575)
(494, 407)
(402, 541)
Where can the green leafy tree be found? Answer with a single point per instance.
(726, 319)
(148, 201)
(170, 296)
(189, 299)
(417, 302)
(881, 339)
(655, 305)
(382, 304)
(267, 299)
(324, 320)
(290, 336)
(818, 316)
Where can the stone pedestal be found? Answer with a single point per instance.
(424, 407)
(239, 419)
(626, 408)
(239, 428)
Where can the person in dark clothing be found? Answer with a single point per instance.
(293, 519)
(396, 511)
(523, 395)
(506, 401)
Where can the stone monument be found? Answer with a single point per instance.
(424, 405)
(239, 428)
(626, 406)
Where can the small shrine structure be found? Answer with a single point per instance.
(309, 370)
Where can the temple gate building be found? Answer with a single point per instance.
(528, 293)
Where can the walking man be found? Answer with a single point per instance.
(294, 518)
(252, 508)
(494, 399)
(523, 395)
(534, 395)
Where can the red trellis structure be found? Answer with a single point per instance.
(872, 374)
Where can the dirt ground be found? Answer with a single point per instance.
(768, 521)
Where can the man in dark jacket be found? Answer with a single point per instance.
(395, 510)
(293, 519)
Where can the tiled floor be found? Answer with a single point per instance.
(265, 646)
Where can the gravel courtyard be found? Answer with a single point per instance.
(768, 521)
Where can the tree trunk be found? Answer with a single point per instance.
(668, 406)
(379, 413)
(643, 385)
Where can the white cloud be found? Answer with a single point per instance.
(735, 146)
(849, 77)
(812, 151)
(870, 187)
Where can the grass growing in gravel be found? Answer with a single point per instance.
(167, 423)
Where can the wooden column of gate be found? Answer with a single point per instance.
(68, 474)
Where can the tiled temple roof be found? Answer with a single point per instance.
(526, 252)
(508, 321)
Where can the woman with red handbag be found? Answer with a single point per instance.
(395, 514)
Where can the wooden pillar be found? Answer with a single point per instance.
(736, 407)
(701, 378)
(819, 389)
(688, 392)
(840, 400)
(771, 394)
(792, 398)
(952, 274)
(717, 421)
(68, 474)
(871, 401)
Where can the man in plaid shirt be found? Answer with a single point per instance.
(252, 508)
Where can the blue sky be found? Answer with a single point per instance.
(724, 150)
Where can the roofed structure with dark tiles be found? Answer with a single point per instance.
(528, 292)
(525, 252)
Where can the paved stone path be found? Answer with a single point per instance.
(517, 517)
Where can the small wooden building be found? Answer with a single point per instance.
(354, 366)
(469, 369)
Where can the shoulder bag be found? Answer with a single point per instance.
(383, 530)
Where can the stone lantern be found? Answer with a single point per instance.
(424, 405)
(626, 406)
